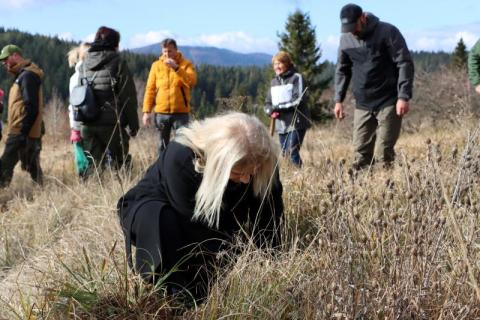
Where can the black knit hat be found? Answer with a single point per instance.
(349, 16)
(107, 37)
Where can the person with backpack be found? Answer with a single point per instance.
(286, 105)
(25, 114)
(105, 138)
(167, 92)
(218, 178)
(75, 59)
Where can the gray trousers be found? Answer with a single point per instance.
(166, 122)
(375, 133)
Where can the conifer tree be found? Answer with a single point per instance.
(299, 41)
(460, 56)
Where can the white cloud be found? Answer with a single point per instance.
(151, 37)
(89, 37)
(21, 4)
(443, 39)
(237, 41)
(68, 36)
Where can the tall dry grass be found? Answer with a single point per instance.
(375, 244)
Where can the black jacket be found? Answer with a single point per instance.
(293, 113)
(115, 91)
(156, 216)
(379, 64)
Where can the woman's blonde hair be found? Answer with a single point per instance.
(283, 57)
(77, 54)
(220, 143)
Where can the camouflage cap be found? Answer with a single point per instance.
(8, 50)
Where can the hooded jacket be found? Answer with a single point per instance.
(168, 91)
(285, 97)
(474, 64)
(25, 101)
(114, 89)
(379, 64)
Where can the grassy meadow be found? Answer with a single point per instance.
(399, 243)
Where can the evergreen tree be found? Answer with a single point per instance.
(299, 41)
(460, 56)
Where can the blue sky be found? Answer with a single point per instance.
(243, 26)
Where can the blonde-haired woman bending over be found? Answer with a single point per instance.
(217, 175)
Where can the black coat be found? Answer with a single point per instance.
(156, 217)
(378, 63)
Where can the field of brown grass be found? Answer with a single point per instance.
(402, 243)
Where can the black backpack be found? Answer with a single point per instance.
(82, 99)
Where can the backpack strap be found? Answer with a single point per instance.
(89, 81)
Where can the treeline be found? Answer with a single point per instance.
(215, 84)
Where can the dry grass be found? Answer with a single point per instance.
(376, 244)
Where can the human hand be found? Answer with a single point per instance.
(403, 107)
(147, 119)
(75, 136)
(171, 63)
(339, 110)
(274, 115)
(477, 89)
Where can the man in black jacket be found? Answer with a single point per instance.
(375, 56)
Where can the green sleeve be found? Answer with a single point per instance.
(474, 64)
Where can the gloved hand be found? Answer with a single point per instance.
(75, 136)
(274, 115)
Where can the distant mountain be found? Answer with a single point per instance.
(212, 55)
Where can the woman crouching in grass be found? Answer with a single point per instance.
(217, 177)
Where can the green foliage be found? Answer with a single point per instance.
(216, 85)
(460, 56)
(214, 82)
(299, 41)
(50, 53)
(430, 61)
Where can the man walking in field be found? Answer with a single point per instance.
(167, 92)
(474, 66)
(374, 55)
(25, 113)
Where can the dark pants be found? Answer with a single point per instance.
(25, 150)
(375, 133)
(165, 123)
(105, 145)
(291, 143)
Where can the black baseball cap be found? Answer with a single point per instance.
(349, 16)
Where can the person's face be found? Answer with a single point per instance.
(360, 25)
(11, 61)
(169, 52)
(242, 174)
(279, 67)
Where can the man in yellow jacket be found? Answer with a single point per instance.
(167, 92)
